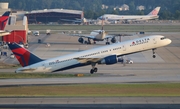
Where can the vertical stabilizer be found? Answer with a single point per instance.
(155, 11)
(24, 57)
(4, 19)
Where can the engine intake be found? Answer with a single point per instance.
(113, 40)
(80, 40)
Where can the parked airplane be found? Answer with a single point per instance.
(3, 21)
(108, 55)
(128, 18)
(98, 35)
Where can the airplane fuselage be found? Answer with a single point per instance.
(98, 35)
(111, 17)
(118, 49)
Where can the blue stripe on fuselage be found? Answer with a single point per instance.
(72, 66)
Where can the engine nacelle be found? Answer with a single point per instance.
(113, 59)
(80, 40)
(113, 40)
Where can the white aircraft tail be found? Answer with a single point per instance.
(155, 11)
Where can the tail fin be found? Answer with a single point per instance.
(155, 11)
(4, 19)
(24, 57)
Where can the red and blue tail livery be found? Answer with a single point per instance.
(24, 57)
(4, 19)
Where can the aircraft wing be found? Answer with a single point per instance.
(109, 36)
(91, 60)
(4, 33)
(88, 60)
(116, 35)
(85, 36)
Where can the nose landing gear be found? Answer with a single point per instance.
(154, 56)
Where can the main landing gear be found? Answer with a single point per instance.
(94, 69)
(88, 41)
(154, 56)
(107, 43)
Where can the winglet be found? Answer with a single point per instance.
(4, 19)
(155, 11)
(24, 57)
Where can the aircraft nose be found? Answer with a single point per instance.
(169, 41)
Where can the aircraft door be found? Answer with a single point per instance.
(44, 65)
(154, 40)
(124, 48)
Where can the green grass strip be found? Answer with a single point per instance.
(156, 89)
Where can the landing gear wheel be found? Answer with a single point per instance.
(92, 71)
(107, 43)
(85, 42)
(89, 42)
(95, 69)
(154, 56)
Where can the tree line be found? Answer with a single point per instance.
(170, 9)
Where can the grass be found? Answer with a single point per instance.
(159, 89)
(38, 75)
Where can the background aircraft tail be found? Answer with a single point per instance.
(155, 11)
(4, 19)
(24, 57)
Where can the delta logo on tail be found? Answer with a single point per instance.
(24, 57)
(4, 19)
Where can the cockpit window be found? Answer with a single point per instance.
(163, 38)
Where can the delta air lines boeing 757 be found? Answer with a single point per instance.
(109, 54)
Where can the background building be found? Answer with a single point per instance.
(4, 7)
(53, 16)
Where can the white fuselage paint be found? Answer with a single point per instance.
(119, 49)
(98, 34)
(111, 17)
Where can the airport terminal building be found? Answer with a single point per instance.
(47, 16)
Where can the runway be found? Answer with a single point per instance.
(126, 78)
(92, 102)
(145, 69)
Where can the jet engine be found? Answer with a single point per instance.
(113, 59)
(113, 40)
(81, 40)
